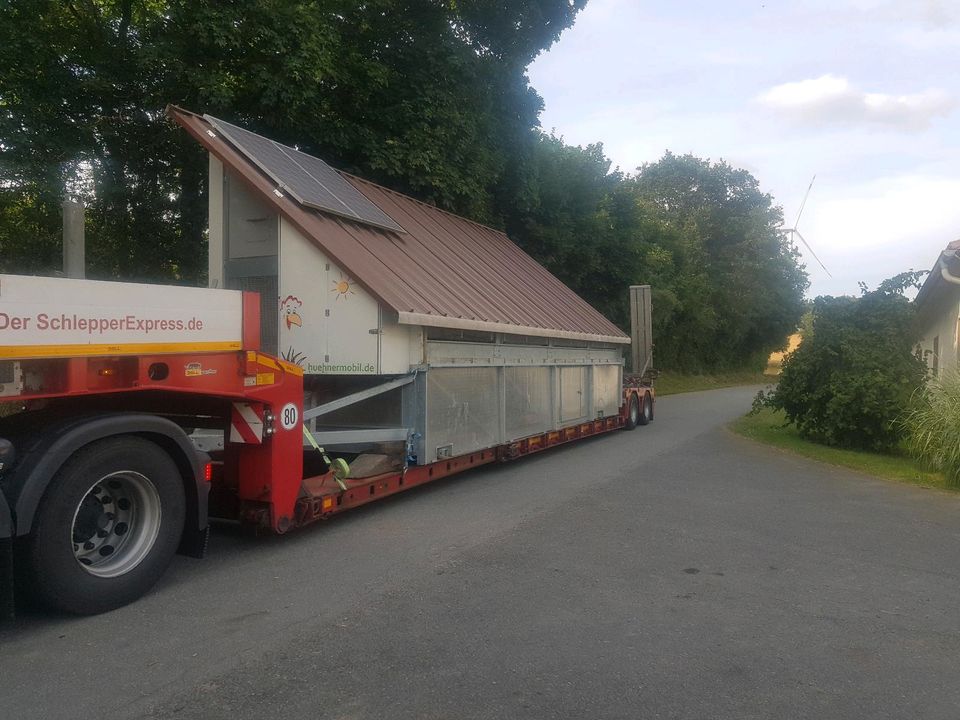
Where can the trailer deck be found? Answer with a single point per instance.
(325, 497)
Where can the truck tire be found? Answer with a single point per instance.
(633, 414)
(107, 527)
(647, 415)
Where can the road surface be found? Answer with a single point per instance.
(673, 572)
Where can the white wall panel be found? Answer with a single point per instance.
(329, 324)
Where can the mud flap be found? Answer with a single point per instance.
(194, 543)
(6, 579)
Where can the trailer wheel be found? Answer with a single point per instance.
(633, 415)
(647, 415)
(108, 526)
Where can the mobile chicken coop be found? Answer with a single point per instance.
(412, 325)
(410, 343)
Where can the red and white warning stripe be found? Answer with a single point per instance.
(246, 423)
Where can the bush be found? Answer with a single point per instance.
(933, 426)
(851, 379)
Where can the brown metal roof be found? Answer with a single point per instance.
(444, 271)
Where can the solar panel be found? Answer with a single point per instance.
(309, 180)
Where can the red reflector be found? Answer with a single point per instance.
(208, 472)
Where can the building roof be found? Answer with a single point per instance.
(946, 266)
(442, 270)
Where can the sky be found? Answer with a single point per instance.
(864, 94)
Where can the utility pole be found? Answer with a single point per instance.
(74, 255)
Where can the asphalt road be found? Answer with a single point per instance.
(674, 572)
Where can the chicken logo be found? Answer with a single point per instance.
(289, 310)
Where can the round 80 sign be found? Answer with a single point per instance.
(289, 415)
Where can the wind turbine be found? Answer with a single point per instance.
(795, 231)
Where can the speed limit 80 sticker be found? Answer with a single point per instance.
(289, 415)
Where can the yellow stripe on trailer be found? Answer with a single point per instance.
(30, 352)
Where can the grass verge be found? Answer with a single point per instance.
(673, 383)
(767, 426)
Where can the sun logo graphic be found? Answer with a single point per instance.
(290, 311)
(342, 288)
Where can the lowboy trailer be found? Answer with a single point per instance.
(354, 343)
(101, 482)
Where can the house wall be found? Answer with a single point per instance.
(939, 344)
(342, 329)
(329, 324)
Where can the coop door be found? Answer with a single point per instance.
(572, 389)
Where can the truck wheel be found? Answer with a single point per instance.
(633, 415)
(107, 527)
(647, 415)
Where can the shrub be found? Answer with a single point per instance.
(854, 375)
(933, 426)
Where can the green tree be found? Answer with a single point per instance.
(851, 378)
(727, 285)
(564, 220)
(750, 273)
(428, 97)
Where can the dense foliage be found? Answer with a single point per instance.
(933, 426)
(852, 378)
(727, 284)
(429, 97)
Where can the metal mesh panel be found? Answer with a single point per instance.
(528, 401)
(462, 410)
(606, 389)
(266, 285)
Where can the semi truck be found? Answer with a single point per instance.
(305, 382)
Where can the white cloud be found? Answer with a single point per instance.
(832, 100)
(932, 13)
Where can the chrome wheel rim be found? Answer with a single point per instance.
(634, 412)
(116, 524)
